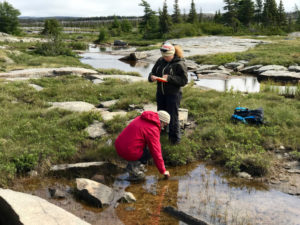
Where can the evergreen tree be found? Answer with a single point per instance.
(164, 19)
(270, 13)
(52, 29)
(245, 11)
(150, 22)
(184, 16)
(116, 23)
(218, 17)
(201, 16)
(9, 22)
(192, 18)
(126, 26)
(281, 20)
(258, 11)
(230, 17)
(176, 17)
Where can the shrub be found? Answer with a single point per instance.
(103, 35)
(77, 45)
(54, 48)
(216, 29)
(183, 30)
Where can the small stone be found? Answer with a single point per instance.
(127, 198)
(57, 194)
(244, 175)
(129, 209)
(281, 147)
(99, 178)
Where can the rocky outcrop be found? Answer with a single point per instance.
(47, 72)
(72, 106)
(96, 130)
(36, 87)
(251, 69)
(280, 75)
(294, 69)
(106, 115)
(94, 193)
(271, 68)
(84, 165)
(24, 209)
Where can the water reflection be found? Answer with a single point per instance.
(98, 57)
(242, 84)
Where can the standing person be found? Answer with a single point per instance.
(172, 69)
(140, 140)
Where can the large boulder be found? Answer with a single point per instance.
(94, 193)
(24, 209)
(96, 130)
(135, 56)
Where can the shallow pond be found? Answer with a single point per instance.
(102, 58)
(197, 189)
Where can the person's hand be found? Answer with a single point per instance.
(153, 78)
(165, 76)
(167, 174)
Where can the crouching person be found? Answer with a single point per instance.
(140, 140)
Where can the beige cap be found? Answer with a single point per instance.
(164, 116)
(167, 49)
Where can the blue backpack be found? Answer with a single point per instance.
(246, 116)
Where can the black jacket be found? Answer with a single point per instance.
(177, 71)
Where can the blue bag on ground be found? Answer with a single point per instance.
(247, 116)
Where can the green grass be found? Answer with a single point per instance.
(32, 136)
(280, 52)
(118, 72)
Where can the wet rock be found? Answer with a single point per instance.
(19, 208)
(244, 175)
(127, 197)
(99, 178)
(96, 130)
(135, 56)
(56, 193)
(76, 166)
(251, 69)
(283, 75)
(108, 104)
(271, 68)
(36, 87)
(73, 106)
(294, 69)
(94, 193)
(119, 43)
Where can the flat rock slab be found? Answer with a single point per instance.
(94, 193)
(28, 210)
(84, 165)
(106, 115)
(47, 72)
(108, 104)
(73, 106)
(96, 130)
(36, 87)
(121, 77)
(251, 69)
(271, 68)
(281, 74)
(294, 69)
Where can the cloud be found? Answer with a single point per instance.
(89, 8)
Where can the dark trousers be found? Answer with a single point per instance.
(171, 104)
(146, 156)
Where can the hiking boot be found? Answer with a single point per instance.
(135, 170)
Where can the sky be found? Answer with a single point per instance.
(91, 8)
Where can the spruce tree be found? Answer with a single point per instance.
(270, 13)
(258, 11)
(150, 22)
(164, 19)
(201, 16)
(281, 19)
(176, 17)
(218, 17)
(245, 11)
(230, 17)
(192, 18)
(9, 22)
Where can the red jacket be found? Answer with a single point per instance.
(143, 131)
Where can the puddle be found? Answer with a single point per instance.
(100, 58)
(201, 191)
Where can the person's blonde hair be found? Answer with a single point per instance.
(178, 51)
